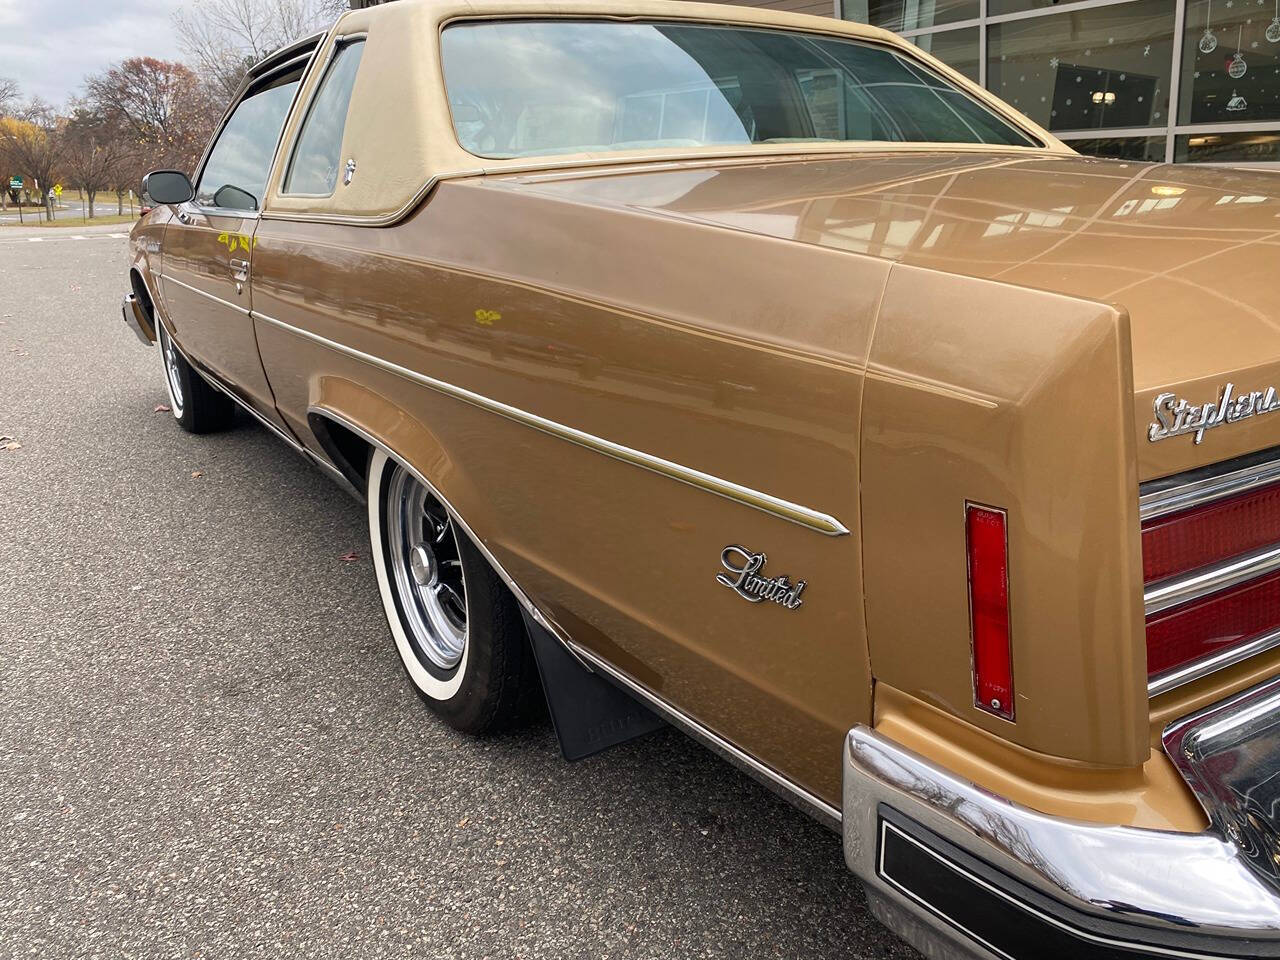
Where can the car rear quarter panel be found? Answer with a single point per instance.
(1019, 399)
(683, 341)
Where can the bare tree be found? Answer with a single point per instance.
(161, 107)
(8, 94)
(94, 149)
(224, 38)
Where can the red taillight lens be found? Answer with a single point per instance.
(1195, 541)
(1181, 542)
(1202, 627)
(987, 542)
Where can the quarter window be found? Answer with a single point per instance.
(235, 175)
(521, 89)
(318, 155)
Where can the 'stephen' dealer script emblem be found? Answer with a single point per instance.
(1175, 417)
(744, 579)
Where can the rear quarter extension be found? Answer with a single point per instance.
(1020, 400)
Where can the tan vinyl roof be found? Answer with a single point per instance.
(400, 134)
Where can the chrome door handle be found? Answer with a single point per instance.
(240, 270)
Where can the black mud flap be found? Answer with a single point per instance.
(589, 713)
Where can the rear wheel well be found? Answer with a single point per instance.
(140, 291)
(347, 449)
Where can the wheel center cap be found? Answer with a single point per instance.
(422, 564)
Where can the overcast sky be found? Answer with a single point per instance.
(49, 46)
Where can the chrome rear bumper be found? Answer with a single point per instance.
(958, 871)
(136, 319)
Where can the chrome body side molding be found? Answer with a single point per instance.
(776, 782)
(166, 278)
(783, 509)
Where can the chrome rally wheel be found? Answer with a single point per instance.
(431, 590)
(196, 404)
(172, 372)
(456, 626)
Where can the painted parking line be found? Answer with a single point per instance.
(77, 236)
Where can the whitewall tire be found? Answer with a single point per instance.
(456, 626)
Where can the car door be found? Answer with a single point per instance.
(209, 247)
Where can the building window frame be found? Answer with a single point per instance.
(1169, 130)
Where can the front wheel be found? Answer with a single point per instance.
(456, 626)
(197, 406)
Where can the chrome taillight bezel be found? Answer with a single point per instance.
(1186, 492)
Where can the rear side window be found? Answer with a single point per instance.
(313, 170)
(524, 89)
(235, 175)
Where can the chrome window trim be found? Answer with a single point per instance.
(816, 807)
(194, 207)
(767, 503)
(303, 59)
(284, 156)
(204, 293)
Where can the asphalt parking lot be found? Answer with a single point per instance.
(207, 747)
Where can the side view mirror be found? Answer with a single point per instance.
(168, 186)
(231, 197)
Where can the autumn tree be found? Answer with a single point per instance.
(94, 149)
(8, 97)
(160, 106)
(224, 38)
(33, 148)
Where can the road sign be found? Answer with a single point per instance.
(15, 183)
(57, 189)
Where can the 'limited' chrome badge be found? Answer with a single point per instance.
(1175, 416)
(745, 579)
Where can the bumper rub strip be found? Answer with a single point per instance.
(1012, 923)
(1151, 893)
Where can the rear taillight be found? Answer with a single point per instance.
(1189, 539)
(987, 542)
(1202, 627)
(1212, 582)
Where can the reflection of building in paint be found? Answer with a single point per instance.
(1103, 75)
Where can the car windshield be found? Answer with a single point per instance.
(528, 88)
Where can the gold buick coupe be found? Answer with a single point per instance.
(759, 374)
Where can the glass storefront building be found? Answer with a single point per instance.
(1179, 80)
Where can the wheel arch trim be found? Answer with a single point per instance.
(725, 748)
(318, 413)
